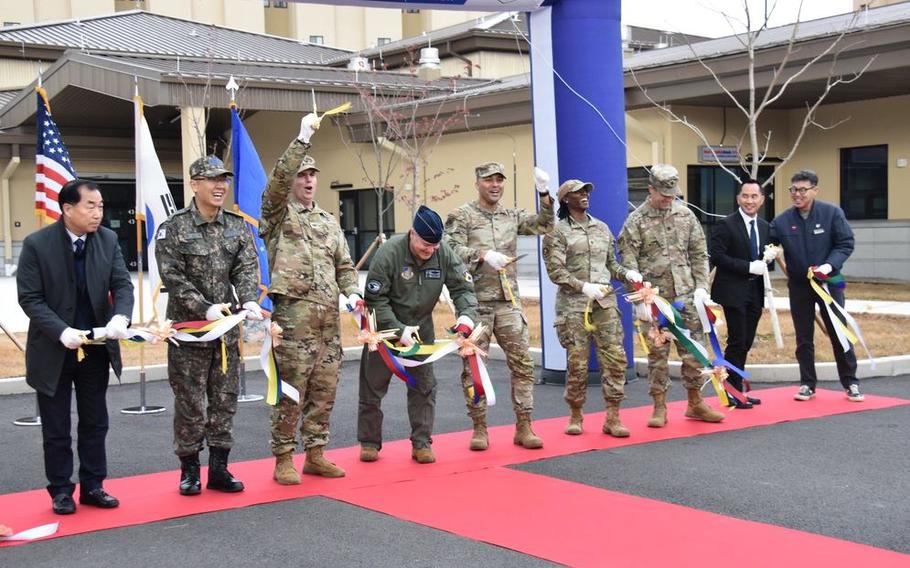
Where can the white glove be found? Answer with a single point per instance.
(633, 276)
(308, 126)
(593, 291)
(825, 269)
(757, 267)
(701, 295)
(642, 312)
(116, 328)
(253, 311)
(216, 311)
(541, 181)
(464, 325)
(771, 253)
(72, 338)
(407, 335)
(496, 260)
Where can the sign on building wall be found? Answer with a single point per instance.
(725, 154)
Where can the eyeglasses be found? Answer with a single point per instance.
(800, 190)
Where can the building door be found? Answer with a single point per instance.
(358, 214)
(713, 191)
(120, 213)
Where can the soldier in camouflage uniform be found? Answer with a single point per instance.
(485, 235)
(664, 241)
(403, 286)
(310, 265)
(580, 259)
(205, 255)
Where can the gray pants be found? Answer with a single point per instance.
(374, 383)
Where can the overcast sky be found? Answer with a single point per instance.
(701, 17)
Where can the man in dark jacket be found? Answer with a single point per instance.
(814, 234)
(736, 249)
(71, 279)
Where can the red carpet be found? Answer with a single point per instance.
(578, 525)
(153, 497)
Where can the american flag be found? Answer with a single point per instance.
(52, 162)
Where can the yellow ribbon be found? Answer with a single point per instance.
(507, 286)
(717, 376)
(828, 300)
(590, 327)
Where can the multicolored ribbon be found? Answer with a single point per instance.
(481, 385)
(276, 387)
(376, 341)
(847, 334)
(708, 317)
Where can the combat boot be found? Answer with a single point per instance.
(220, 479)
(699, 409)
(659, 415)
(316, 464)
(575, 420)
(285, 474)
(524, 435)
(189, 475)
(612, 424)
(479, 439)
(423, 455)
(369, 454)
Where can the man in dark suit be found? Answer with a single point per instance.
(71, 279)
(736, 249)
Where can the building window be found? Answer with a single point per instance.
(317, 39)
(9, 24)
(864, 182)
(279, 3)
(266, 3)
(411, 11)
(383, 40)
(638, 186)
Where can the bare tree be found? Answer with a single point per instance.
(399, 130)
(755, 101)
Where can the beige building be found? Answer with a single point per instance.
(345, 27)
(486, 113)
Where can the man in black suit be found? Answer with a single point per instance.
(71, 279)
(736, 249)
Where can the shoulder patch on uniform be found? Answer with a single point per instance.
(162, 232)
(433, 274)
(374, 286)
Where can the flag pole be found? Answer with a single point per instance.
(232, 88)
(139, 217)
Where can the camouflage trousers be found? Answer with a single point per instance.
(610, 354)
(658, 369)
(205, 399)
(509, 325)
(374, 384)
(309, 359)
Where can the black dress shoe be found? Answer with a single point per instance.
(753, 400)
(63, 504)
(740, 405)
(98, 498)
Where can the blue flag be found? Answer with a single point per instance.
(249, 182)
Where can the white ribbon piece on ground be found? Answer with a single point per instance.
(33, 533)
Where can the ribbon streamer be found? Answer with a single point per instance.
(708, 318)
(276, 386)
(32, 533)
(481, 385)
(847, 334)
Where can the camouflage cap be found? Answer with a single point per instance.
(208, 167)
(571, 186)
(489, 169)
(665, 179)
(308, 163)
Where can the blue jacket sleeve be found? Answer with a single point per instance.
(842, 240)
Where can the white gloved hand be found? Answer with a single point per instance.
(72, 338)
(701, 295)
(116, 328)
(593, 291)
(309, 124)
(633, 276)
(496, 260)
(757, 267)
(771, 253)
(541, 181)
(407, 335)
(216, 311)
(254, 312)
(825, 269)
(463, 325)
